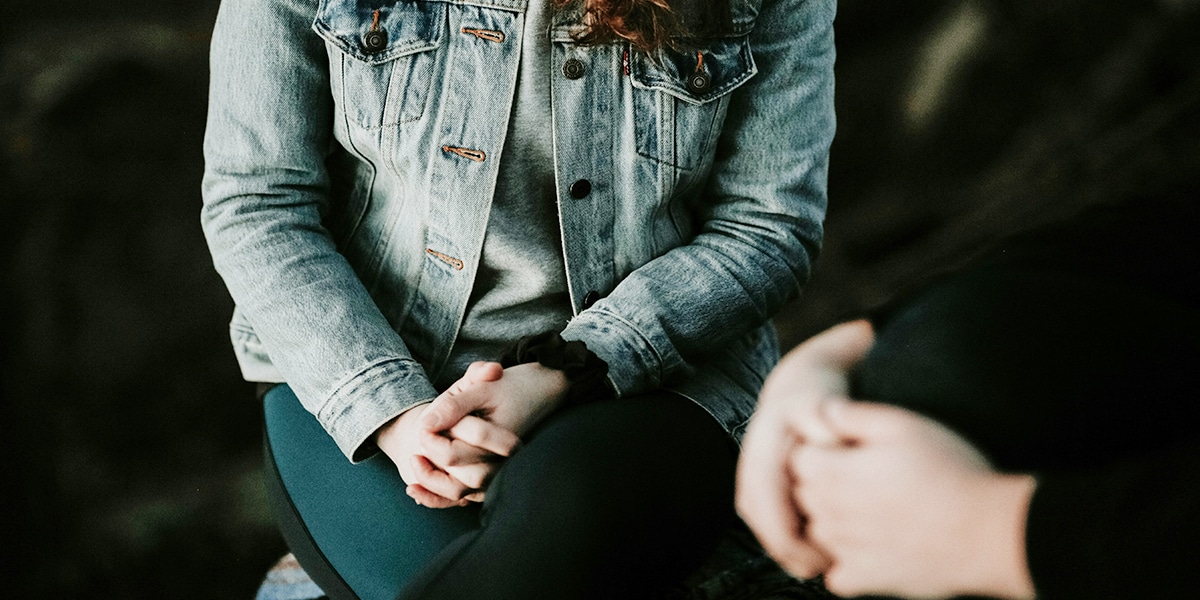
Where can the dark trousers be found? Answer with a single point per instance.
(615, 499)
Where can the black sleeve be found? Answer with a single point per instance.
(1072, 353)
(1127, 530)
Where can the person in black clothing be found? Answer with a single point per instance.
(1032, 427)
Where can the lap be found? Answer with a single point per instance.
(588, 461)
(357, 516)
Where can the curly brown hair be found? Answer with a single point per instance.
(648, 24)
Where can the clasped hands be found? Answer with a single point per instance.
(448, 450)
(878, 499)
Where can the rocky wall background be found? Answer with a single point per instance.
(130, 446)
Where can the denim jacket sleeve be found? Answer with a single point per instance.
(266, 190)
(760, 215)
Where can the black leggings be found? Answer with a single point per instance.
(615, 499)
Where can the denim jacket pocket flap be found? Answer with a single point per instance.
(377, 35)
(696, 72)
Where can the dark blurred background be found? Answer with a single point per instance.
(131, 445)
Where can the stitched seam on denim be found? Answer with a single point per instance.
(658, 377)
(323, 412)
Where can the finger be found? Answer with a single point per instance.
(475, 497)
(765, 503)
(820, 366)
(483, 434)
(474, 476)
(803, 561)
(761, 498)
(816, 470)
(807, 421)
(445, 451)
(446, 411)
(842, 581)
(477, 372)
(817, 369)
(819, 470)
(436, 480)
(858, 422)
(426, 498)
(449, 409)
(841, 346)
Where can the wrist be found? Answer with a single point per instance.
(1003, 516)
(391, 430)
(555, 381)
(547, 391)
(585, 373)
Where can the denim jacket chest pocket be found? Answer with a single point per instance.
(381, 57)
(681, 95)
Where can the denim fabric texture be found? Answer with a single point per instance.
(348, 186)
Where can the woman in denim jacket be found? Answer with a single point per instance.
(395, 190)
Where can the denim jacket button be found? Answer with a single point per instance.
(375, 41)
(699, 82)
(580, 189)
(573, 68)
(590, 298)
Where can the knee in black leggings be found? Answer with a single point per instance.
(611, 500)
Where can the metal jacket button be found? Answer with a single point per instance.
(590, 298)
(698, 82)
(580, 189)
(375, 41)
(573, 68)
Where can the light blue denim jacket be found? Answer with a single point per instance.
(347, 191)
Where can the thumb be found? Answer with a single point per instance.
(478, 372)
(855, 422)
(447, 410)
(450, 407)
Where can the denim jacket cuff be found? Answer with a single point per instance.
(634, 364)
(367, 401)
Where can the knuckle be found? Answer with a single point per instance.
(803, 570)
(837, 582)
